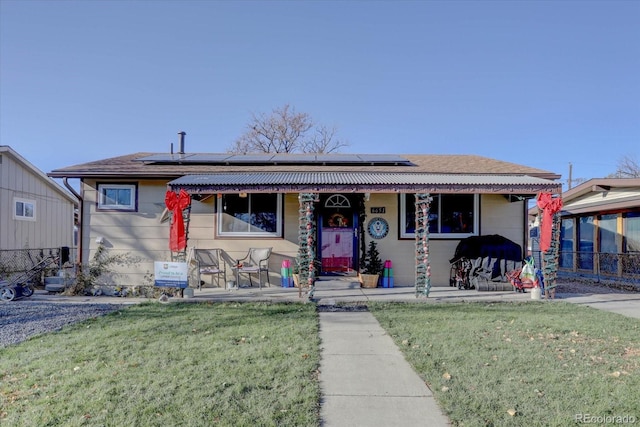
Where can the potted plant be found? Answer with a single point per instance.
(371, 267)
(295, 273)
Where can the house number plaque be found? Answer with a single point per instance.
(378, 210)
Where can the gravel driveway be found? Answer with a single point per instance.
(22, 319)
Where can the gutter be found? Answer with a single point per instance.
(65, 181)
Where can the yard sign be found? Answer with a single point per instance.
(171, 274)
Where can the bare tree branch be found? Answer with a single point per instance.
(285, 131)
(324, 141)
(628, 167)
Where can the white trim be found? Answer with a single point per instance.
(235, 233)
(337, 201)
(131, 206)
(24, 202)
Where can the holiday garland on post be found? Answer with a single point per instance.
(362, 218)
(549, 209)
(306, 244)
(550, 260)
(423, 268)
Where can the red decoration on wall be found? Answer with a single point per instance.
(176, 203)
(549, 206)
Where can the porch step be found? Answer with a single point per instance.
(484, 286)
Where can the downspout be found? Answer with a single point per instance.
(527, 232)
(80, 210)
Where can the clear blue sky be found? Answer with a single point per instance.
(541, 83)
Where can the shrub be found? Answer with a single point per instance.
(371, 264)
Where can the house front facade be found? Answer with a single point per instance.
(239, 201)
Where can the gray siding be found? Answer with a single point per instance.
(53, 225)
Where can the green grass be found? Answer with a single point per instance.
(234, 364)
(548, 362)
(164, 365)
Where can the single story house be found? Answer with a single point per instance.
(239, 201)
(35, 211)
(600, 230)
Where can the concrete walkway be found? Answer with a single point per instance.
(365, 380)
(626, 304)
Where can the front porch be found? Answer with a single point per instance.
(347, 290)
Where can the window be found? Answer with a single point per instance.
(250, 215)
(608, 247)
(120, 197)
(337, 201)
(566, 243)
(632, 232)
(585, 243)
(631, 260)
(24, 209)
(450, 215)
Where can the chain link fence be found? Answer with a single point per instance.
(623, 268)
(19, 261)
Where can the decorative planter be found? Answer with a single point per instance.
(296, 280)
(368, 280)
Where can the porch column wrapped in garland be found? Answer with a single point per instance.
(423, 267)
(549, 209)
(306, 244)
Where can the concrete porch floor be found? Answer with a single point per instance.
(331, 290)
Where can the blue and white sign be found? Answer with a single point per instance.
(378, 228)
(171, 274)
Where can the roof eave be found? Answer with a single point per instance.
(44, 177)
(531, 190)
(112, 174)
(598, 185)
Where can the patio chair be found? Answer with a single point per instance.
(209, 262)
(255, 262)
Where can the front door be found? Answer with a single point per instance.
(338, 235)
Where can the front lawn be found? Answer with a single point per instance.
(190, 364)
(167, 365)
(521, 364)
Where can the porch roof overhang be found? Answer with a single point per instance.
(361, 182)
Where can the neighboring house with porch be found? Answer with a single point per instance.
(35, 211)
(255, 200)
(600, 230)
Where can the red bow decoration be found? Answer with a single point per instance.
(176, 203)
(549, 206)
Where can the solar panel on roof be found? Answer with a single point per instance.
(208, 157)
(276, 158)
(337, 158)
(293, 158)
(382, 158)
(165, 157)
(250, 158)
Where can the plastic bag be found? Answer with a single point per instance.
(528, 270)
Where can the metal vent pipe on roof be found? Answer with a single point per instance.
(181, 146)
